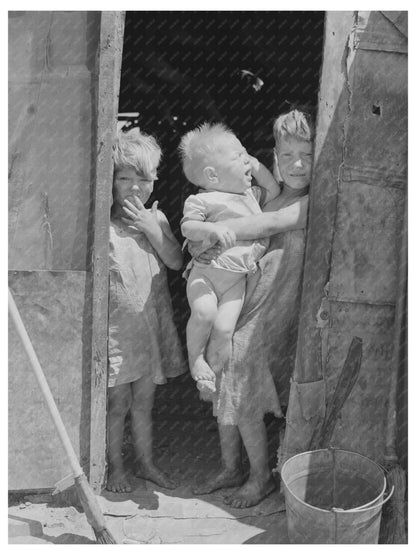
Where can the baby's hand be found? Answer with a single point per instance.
(255, 164)
(210, 254)
(225, 236)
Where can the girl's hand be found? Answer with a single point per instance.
(139, 217)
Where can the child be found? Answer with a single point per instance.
(246, 391)
(144, 347)
(215, 160)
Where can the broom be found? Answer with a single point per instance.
(86, 496)
(393, 520)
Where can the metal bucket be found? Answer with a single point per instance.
(333, 496)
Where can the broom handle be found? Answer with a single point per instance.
(37, 369)
(391, 425)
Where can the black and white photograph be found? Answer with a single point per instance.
(207, 276)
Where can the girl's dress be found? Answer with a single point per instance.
(143, 338)
(264, 343)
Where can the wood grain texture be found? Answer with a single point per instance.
(108, 83)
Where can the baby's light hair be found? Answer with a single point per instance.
(198, 146)
(137, 150)
(296, 124)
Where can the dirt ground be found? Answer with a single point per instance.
(186, 445)
(151, 516)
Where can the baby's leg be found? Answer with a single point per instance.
(119, 399)
(141, 426)
(229, 309)
(203, 303)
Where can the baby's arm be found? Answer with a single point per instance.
(196, 228)
(265, 180)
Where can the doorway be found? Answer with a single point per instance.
(180, 69)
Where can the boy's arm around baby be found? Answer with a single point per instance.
(257, 226)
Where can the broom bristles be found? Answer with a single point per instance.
(92, 510)
(104, 536)
(395, 522)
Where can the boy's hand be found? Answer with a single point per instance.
(224, 235)
(139, 217)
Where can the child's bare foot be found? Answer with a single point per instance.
(202, 371)
(154, 474)
(117, 481)
(206, 396)
(206, 389)
(251, 493)
(225, 479)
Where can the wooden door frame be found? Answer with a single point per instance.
(108, 71)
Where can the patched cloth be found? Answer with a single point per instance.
(142, 335)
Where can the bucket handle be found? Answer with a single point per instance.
(366, 508)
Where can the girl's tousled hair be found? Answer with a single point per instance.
(137, 150)
(296, 123)
(198, 145)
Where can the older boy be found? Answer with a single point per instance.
(246, 391)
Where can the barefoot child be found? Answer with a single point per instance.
(246, 391)
(215, 160)
(144, 347)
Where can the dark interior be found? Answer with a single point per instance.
(180, 69)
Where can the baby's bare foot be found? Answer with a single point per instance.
(251, 493)
(225, 479)
(117, 481)
(202, 371)
(206, 389)
(154, 474)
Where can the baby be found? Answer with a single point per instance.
(215, 160)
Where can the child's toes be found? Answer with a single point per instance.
(206, 385)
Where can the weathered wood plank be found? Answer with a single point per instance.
(50, 139)
(333, 103)
(108, 71)
(52, 306)
(356, 222)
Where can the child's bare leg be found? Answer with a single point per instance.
(231, 474)
(229, 309)
(141, 426)
(203, 303)
(119, 400)
(260, 482)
